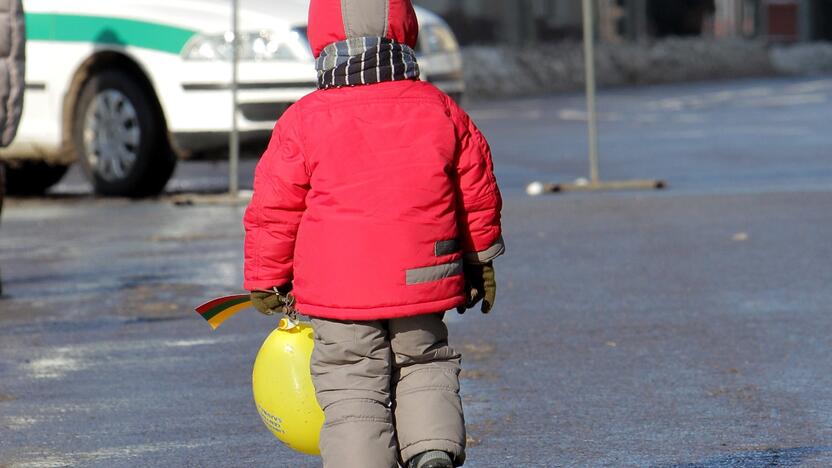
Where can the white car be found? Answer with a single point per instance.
(126, 87)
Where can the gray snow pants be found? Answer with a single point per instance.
(389, 390)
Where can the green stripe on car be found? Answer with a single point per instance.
(106, 30)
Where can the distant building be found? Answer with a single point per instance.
(521, 22)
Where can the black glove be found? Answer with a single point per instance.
(274, 301)
(480, 285)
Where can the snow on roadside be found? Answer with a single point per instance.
(500, 71)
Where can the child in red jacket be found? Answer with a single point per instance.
(376, 205)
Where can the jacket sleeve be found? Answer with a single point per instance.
(478, 197)
(281, 182)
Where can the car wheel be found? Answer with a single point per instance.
(32, 177)
(119, 137)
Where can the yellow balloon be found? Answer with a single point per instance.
(283, 390)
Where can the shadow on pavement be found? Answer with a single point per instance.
(758, 459)
(68, 197)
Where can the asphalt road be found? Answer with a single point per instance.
(684, 328)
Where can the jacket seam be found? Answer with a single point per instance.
(302, 149)
(404, 304)
(258, 258)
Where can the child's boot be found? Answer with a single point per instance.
(431, 459)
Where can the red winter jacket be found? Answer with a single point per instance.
(369, 197)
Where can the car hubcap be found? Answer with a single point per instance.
(111, 135)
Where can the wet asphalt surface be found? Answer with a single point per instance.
(684, 328)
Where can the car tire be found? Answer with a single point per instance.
(32, 177)
(119, 136)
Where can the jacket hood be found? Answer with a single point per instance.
(337, 20)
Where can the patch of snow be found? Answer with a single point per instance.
(803, 59)
(503, 71)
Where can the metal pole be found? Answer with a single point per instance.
(595, 183)
(589, 65)
(234, 137)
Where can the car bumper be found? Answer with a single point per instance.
(198, 99)
(198, 110)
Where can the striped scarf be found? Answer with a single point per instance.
(365, 60)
